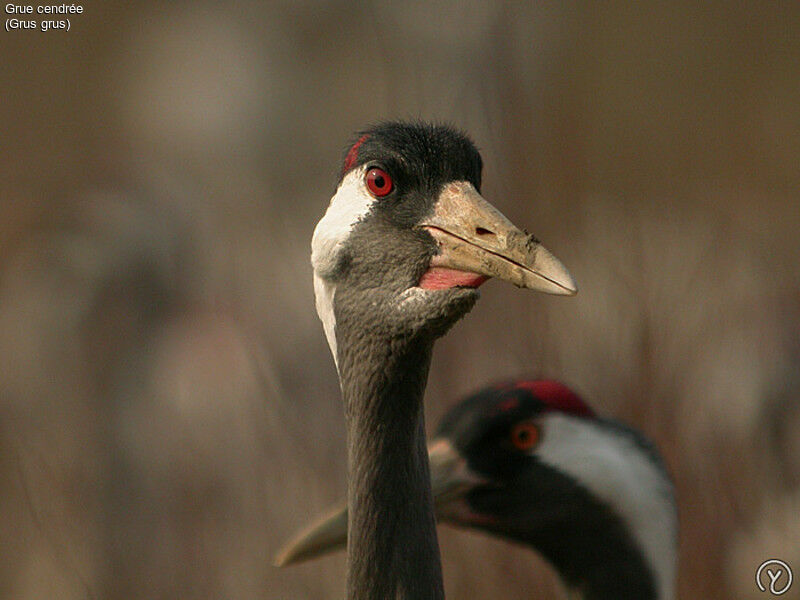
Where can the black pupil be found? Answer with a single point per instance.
(523, 435)
(379, 180)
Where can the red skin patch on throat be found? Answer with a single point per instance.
(352, 154)
(440, 278)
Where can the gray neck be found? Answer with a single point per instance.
(393, 551)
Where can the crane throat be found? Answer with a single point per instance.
(442, 278)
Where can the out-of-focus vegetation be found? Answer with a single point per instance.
(169, 411)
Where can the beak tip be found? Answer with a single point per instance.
(551, 276)
(571, 289)
(561, 285)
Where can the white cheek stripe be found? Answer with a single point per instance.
(349, 205)
(324, 291)
(616, 470)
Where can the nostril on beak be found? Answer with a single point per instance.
(482, 231)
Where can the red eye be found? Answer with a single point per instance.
(525, 435)
(379, 182)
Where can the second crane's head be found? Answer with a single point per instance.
(407, 238)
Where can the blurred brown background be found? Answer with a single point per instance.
(169, 410)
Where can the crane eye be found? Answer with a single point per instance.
(525, 435)
(379, 182)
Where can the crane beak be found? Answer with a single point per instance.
(451, 478)
(327, 533)
(474, 237)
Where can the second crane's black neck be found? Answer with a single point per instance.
(599, 561)
(393, 551)
(584, 539)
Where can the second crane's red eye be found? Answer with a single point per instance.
(379, 182)
(525, 435)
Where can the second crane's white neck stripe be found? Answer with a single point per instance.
(349, 205)
(612, 466)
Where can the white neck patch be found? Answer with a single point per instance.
(349, 205)
(616, 470)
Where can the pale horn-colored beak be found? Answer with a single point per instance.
(451, 478)
(475, 237)
(326, 534)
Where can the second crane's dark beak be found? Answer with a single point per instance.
(474, 237)
(451, 478)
